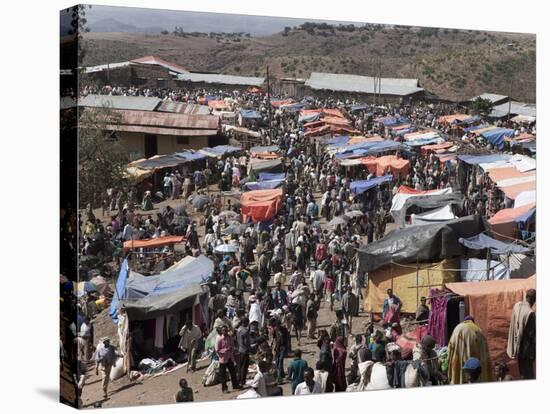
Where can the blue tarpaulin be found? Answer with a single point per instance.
(482, 241)
(483, 159)
(120, 289)
(420, 142)
(190, 156)
(365, 148)
(338, 140)
(404, 131)
(185, 273)
(357, 107)
(295, 107)
(267, 176)
(390, 120)
(263, 185)
(474, 128)
(309, 118)
(220, 150)
(359, 187)
(212, 98)
(525, 217)
(496, 136)
(250, 114)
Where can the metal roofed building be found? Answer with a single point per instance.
(218, 79)
(146, 133)
(390, 88)
(516, 108)
(183, 108)
(133, 103)
(494, 98)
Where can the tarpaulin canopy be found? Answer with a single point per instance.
(512, 190)
(496, 136)
(359, 187)
(423, 243)
(187, 271)
(474, 128)
(137, 175)
(404, 193)
(437, 215)
(261, 149)
(500, 174)
(266, 176)
(158, 162)
(261, 205)
(358, 107)
(398, 167)
(219, 150)
(421, 136)
(280, 102)
(524, 198)
(259, 166)
(250, 114)
(490, 304)
(367, 147)
(263, 185)
(120, 291)
(505, 222)
(448, 119)
(482, 241)
(437, 147)
(218, 104)
(152, 243)
(191, 156)
(475, 270)
(428, 202)
(483, 159)
(392, 120)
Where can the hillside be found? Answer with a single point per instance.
(454, 64)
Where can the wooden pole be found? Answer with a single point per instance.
(417, 282)
(488, 264)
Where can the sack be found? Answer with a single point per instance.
(212, 374)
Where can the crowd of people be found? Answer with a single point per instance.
(268, 290)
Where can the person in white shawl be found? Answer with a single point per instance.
(365, 372)
(522, 335)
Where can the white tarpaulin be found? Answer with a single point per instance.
(399, 200)
(525, 197)
(523, 163)
(475, 270)
(433, 216)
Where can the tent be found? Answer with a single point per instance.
(403, 280)
(404, 193)
(261, 205)
(250, 114)
(266, 176)
(388, 164)
(505, 222)
(427, 202)
(437, 215)
(263, 185)
(482, 241)
(525, 197)
(491, 303)
(152, 243)
(427, 243)
(496, 136)
(259, 166)
(359, 187)
(219, 151)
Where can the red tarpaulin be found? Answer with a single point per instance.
(261, 205)
(152, 243)
(427, 148)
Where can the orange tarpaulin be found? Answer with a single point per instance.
(450, 118)
(313, 124)
(334, 112)
(334, 120)
(357, 139)
(490, 303)
(512, 191)
(265, 155)
(504, 222)
(317, 131)
(276, 104)
(498, 174)
(386, 164)
(261, 205)
(435, 147)
(152, 243)
(219, 104)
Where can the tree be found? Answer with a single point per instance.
(482, 106)
(102, 160)
(164, 32)
(78, 27)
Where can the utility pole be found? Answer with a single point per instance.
(268, 105)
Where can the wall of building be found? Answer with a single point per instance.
(365, 97)
(134, 143)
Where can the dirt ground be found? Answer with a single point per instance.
(162, 389)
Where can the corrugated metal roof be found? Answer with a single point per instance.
(362, 84)
(163, 131)
(516, 108)
(493, 97)
(100, 68)
(221, 79)
(136, 103)
(155, 60)
(183, 108)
